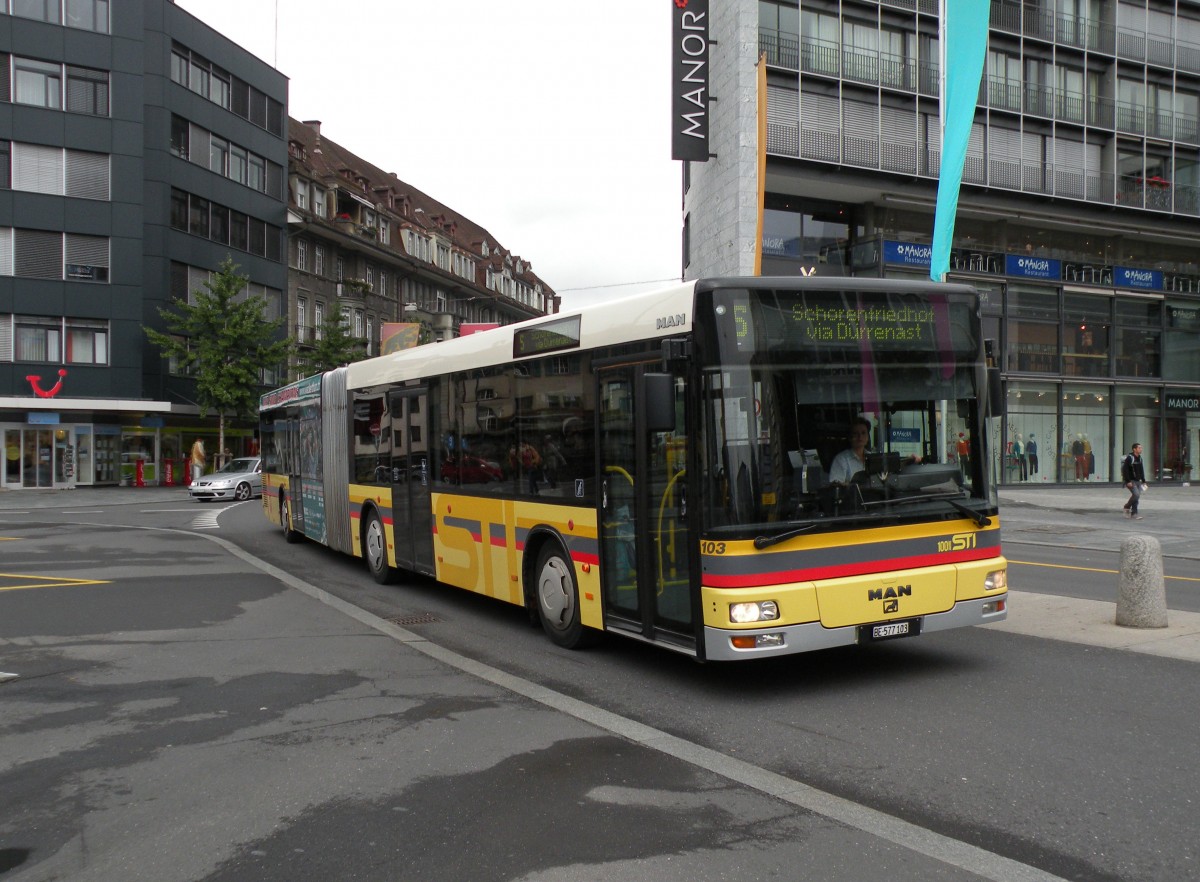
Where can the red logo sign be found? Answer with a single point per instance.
(46, 393)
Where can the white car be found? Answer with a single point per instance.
(240, 479)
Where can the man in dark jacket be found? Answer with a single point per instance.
(1133, 474)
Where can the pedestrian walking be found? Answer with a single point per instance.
(1133, 474)
(197, 460)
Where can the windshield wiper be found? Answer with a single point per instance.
(980, 520)
(761, 542)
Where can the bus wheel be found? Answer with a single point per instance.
(375, 550)
(558, 600)
(285, 518)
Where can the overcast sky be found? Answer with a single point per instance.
(544, 121)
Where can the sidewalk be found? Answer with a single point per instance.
(1086, 516)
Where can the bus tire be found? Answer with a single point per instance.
(285, 518)
(557, 598)
(374, 546)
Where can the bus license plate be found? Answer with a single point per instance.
(891, 630)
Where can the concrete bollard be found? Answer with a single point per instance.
(1142, 599)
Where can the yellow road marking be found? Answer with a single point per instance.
(47, 581)
(1029, 563)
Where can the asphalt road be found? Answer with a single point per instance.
(194, 717)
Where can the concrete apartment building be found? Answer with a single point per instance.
(1078, 217)
(369, 247)
(139, 149)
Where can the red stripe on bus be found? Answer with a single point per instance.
(866, 568)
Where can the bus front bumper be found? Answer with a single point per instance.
(789, 639)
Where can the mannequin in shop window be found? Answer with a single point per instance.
(1019, 453)
(1077, 451)
(1031, 453)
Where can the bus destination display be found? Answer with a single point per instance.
(548, 337)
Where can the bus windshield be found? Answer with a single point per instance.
(825, 409)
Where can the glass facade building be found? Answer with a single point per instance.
(1078, 215)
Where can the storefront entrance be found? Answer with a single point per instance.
(40, 458)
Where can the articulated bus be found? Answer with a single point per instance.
(659, 466)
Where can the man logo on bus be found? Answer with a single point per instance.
(671, 321)
(889, 593)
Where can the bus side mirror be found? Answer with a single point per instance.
(659, 390)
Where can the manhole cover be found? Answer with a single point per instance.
(415, 619)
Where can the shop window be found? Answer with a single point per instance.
(1085, 453)
(1030, 444)
(1033, 304)
(1181, 343)
(1032, 347)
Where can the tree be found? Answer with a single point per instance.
(222, 340)
(333, 347)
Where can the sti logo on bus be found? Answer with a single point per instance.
(670, 321)
(889, 593)
(957, 542)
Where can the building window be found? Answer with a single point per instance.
(198, 216)
(87, 341)
(37, 254)
(318, 201)
(87, 175)
(180, 136)
(88, 15)
(41, 10)
(358, 323)
(38, 339)
(38, 83)
(86, 258)
(302, 255)
(237, 164)
(87, 91)
(318, 319)
(319, 260)
(218, 155)
(218, 226)
(301, 319)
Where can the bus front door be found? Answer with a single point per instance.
(643, 511)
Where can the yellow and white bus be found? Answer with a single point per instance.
(659, 466)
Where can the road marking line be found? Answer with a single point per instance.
(1029, 563)
(953, 852)
(48, 581)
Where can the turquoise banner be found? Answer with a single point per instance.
(964, 35)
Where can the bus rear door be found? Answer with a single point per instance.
(643, 505)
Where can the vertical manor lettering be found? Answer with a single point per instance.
(689, 80)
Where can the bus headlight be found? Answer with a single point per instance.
(760, 611)
(997, 580)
